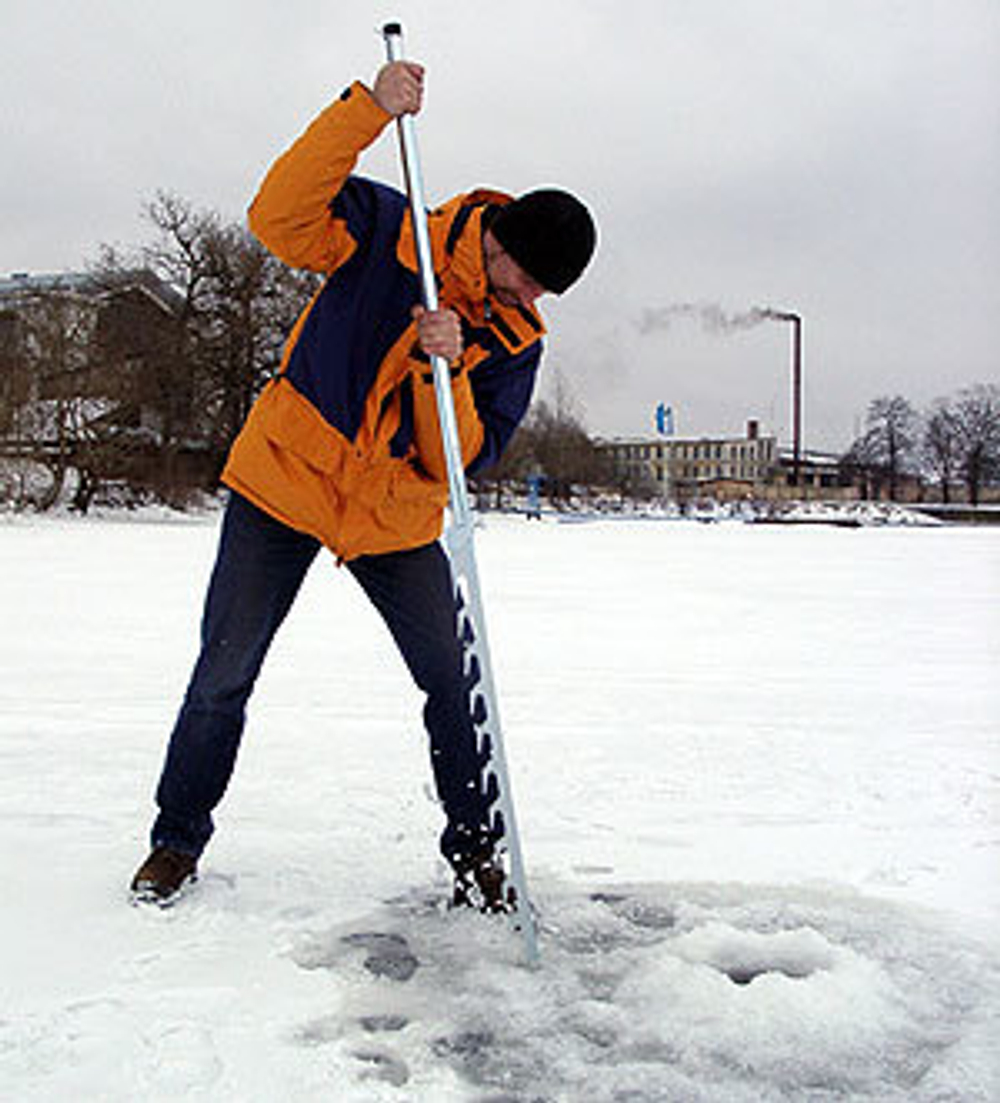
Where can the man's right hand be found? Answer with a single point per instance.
(399, 87)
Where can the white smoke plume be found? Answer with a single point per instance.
(713, 318)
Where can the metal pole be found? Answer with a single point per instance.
(459, 539)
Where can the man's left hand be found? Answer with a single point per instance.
(439, 332)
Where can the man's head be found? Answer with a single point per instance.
(539, 242)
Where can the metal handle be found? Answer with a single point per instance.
(457, 490)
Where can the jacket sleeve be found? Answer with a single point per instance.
(490, 401)
(290, 214)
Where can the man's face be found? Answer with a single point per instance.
(508, 282)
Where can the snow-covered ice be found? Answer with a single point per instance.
(757, 771)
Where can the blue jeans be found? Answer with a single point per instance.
(260, 566)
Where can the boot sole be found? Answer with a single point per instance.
(146, 894)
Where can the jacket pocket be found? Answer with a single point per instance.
(291, 422)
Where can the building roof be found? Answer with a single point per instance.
(810, 457)
(674, 439)
(23, 285)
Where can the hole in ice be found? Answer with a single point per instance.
(379, 1024)
(743, 975)
(743, 956)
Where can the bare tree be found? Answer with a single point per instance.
(553, 444)
(885, 451)
(143, 369)
(562, 451)
(15, 392)
(150, 355)
(251, 301)
(861, 465)
(977, 413)
(941, 445)
(51, 403)
(514, 467)
(235, 303)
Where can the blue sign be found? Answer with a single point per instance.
(665, 420)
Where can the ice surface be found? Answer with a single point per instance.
(757, 771)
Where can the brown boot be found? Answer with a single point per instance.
(481, 883)
(162, 876)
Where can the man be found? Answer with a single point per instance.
(343, 450)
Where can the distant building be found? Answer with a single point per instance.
(21, 289)
(684, 469)
(74, 335)
(725, 469)
(817, 475)
(92, 377)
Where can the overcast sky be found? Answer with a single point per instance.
(837, 158)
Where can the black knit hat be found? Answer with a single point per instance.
(550, 234)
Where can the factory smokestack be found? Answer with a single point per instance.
(796, 390)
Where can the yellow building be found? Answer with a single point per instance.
(683, 469)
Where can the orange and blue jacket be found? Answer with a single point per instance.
(344, 442)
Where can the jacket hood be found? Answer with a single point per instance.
(456, 233)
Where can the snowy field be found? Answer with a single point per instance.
(758, 776)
